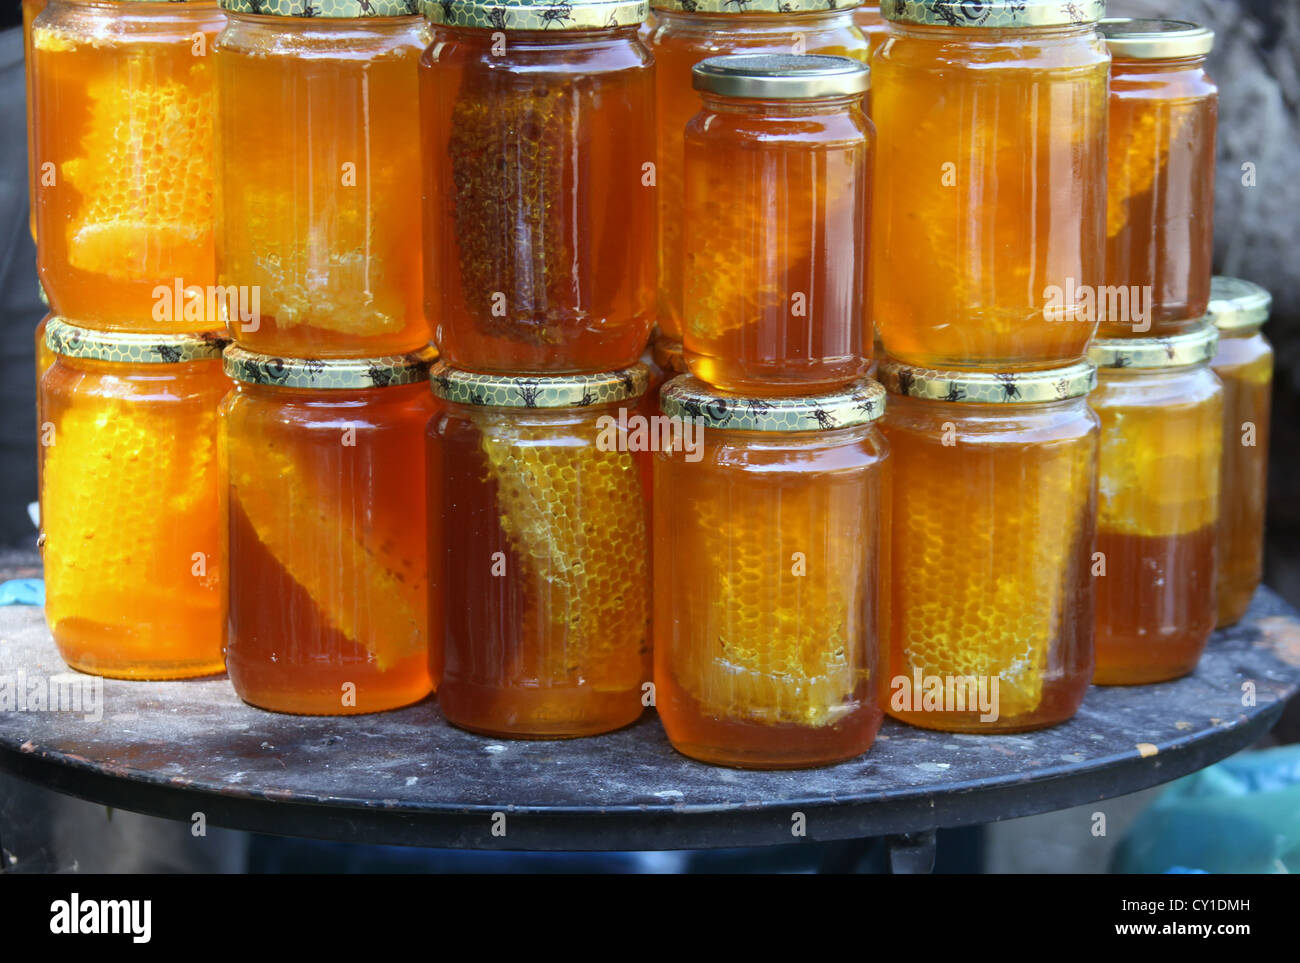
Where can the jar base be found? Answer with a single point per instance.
(329, 702)
(144, 672)
(1142, 675)
(539, 714)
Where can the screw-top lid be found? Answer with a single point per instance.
(530, 15)
(73, 341)
(329, 373)
(328, 9)
(781, 76)
(1172, 351)
(539, 391)
(1236, 304)
(1005, 14)
(732, 7)
(1155, 39)
(989, 387)
(688, 397)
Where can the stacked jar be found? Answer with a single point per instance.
(122, 181)
(1161, 407)
(318, 255)
(539, 198)
(985, 259)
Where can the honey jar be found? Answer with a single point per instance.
(987, 242)
(31, 9)
(130, 502)
(319, 168)
(770, 574)
(866, 15)
(328, 560)
(540, 187)
(991, 610)
(1160, 176)
(538, 531)
(777, 202)
(1244, 364)
(1161, 410)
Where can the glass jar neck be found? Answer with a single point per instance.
(739, 22)
(780, 108)
(1171, 65)
(542, 39)
(1067, 31)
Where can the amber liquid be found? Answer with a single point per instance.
(1160, 214)
(868, 19)
(31, 9)
(1155, 606)
(541, 223)
(327, 548)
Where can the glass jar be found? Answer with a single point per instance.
(539, 191)
(688, 31)
(989, 250)
(538, 526)
(777, 206)
(319, 167)
(1161, 410)
(1160, 180)
(994, 515)
(1244, 364)
(31, 9)
(328, 558)
(130, 502)
(123, 147)
(866, 15)
(770, 574)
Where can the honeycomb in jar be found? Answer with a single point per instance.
(1138, 151)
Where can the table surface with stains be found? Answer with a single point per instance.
(175, 749)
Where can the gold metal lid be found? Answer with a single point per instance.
(539, 391)
(328, 374)
(781, 76)
(327, 9)
(73, 341)
(1155, 39)
(1173, 351)
(530, 15)
(733, 7)
(988, 387)
(993, 14)
(1236, 305)
(688, 397)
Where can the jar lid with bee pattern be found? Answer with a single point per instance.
(539, 391)
(989, 387)
(1237, 305)
(688, 397)
(329, 373)
(73, 341)
(531, 15)
(993, 14)
(1172, 351)
(327, 9)
(753, 6)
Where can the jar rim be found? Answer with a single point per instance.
(781, 76)
(687, 397)
(1155, 39)
(1237, 304)
(989, 387)
(73, 341)
(328, 374)
(527, 15)
(538, 390)
(993, 14)
(1171, 351)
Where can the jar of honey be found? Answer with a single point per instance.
(771, 574)
(776, 190)
(1161, 410)
(987, 245)
(1244, 364)
(130, 502)
(328, 558)
(688, 31)
(1160, 179)
(540, 186)
(319, 167)
(123, 157)
(868, 19)
(538, 531)
(991, 612)
(31, 9)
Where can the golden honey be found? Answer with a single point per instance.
(328, 562)
(130, 502)
(777, 207)
(538, 531)
(1244, 364)
(988, 222)
(1160, 176)
(991, 610)
(1161, 411)
(540, 188)
(688, 31)
(123, 140)
(770, 575)
(319, 167)
(31, 9)
(866, 16)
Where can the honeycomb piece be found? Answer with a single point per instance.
(776, 650)
(145, 179)
(52, 40)
(1138, 151)
(980, 564)
(574, 515)
(386, 609)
